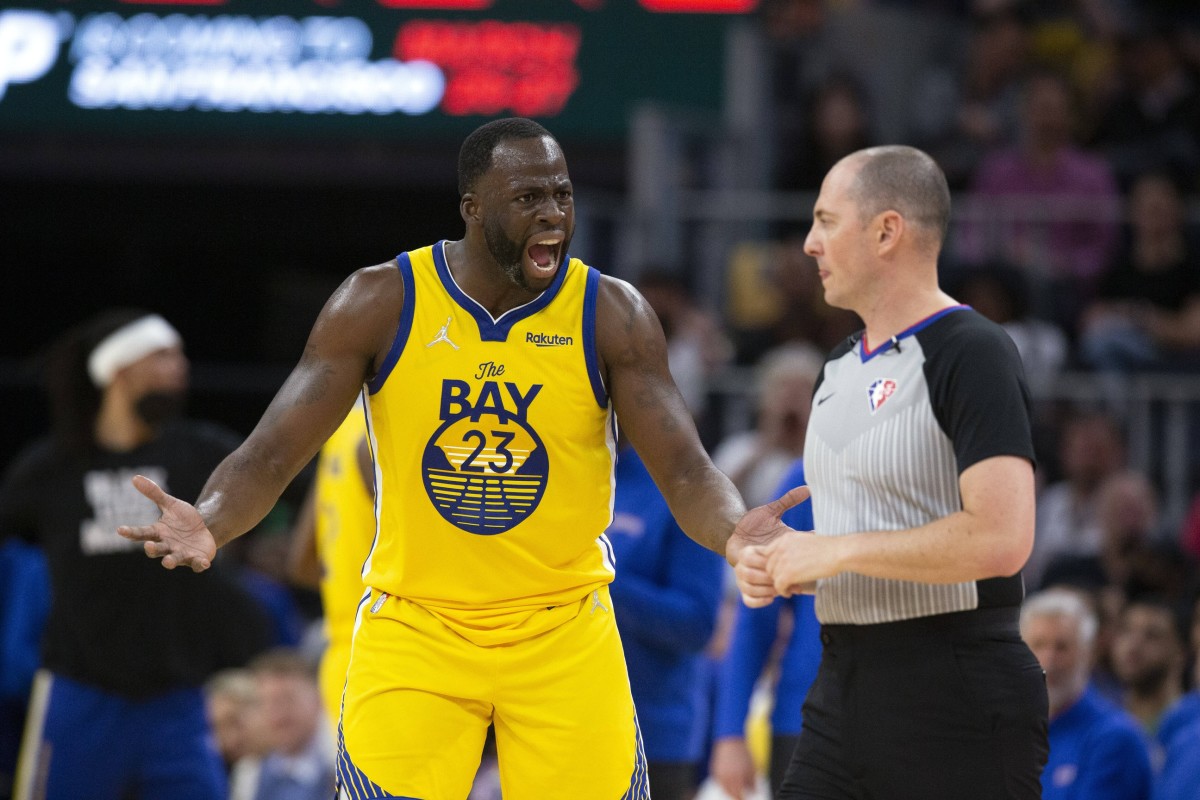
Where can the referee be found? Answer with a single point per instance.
(920, 462)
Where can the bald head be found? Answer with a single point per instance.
(905, 180)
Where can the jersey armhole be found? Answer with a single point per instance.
(590, 355)
(402, 330)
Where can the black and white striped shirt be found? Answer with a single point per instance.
(891, 431)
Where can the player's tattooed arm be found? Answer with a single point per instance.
(653, 415)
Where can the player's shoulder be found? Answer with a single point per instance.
(617, 298)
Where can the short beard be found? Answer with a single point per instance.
(157, 408)
(1149, 680)
(507, 253)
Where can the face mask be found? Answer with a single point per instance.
(155, 408)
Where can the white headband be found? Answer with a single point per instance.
(128, 344)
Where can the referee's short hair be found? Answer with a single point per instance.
(906, 180)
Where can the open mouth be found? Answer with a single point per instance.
(545, 252)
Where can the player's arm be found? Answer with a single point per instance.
(347, 345)
(651, 411)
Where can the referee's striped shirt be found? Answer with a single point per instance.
(890, 432)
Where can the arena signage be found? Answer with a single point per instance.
(392, 67)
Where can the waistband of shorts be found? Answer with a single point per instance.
(1000, 621)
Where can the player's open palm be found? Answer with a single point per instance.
(179, 538)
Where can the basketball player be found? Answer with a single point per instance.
(331, 540)
(492, 368)
(920, 459)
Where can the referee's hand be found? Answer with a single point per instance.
(179, 538)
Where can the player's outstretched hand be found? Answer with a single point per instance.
(754, 531)
(179, 538)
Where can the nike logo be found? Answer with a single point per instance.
(826, 397)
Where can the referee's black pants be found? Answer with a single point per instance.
(947, 707)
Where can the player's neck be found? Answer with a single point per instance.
(476, 273)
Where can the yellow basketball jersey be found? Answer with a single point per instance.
(494, 454)
(345, 528)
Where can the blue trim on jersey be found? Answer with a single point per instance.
(403, 329)
(590, 355)
(495, 330)
(866, 355)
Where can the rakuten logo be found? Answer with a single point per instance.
(28, 46)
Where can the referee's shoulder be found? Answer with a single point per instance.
(966, 329)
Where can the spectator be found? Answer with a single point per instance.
(1153, 122)
(1045, 205)
(1181, 764)
(1127, 511)
(755, 656)
(122, 709)
(802, 55)
(1147, 313)
(1097, 750)
(1001, 294)
(1091, 449)
(967, 105)
(235, 713)
(665, 596)
(299, 762)
(1148, 657)
(1186, 712)
(839, 122)
(24, 605)
(697, 347)
(755, 460)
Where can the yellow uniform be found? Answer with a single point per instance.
(487, 581)
(345, 528)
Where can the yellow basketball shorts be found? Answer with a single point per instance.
(419, 698)
(331, 677)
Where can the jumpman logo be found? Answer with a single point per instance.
(596, 602)
(442, 337)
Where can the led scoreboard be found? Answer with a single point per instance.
(398, 68)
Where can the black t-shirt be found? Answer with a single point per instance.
(1168, 288)
(118, 620)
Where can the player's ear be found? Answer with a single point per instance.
(468, 207)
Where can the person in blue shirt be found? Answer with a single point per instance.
(1097, 750)
(1179, 778)
(665, 597)
(24, 607)
(755, 633)
(1185, 713)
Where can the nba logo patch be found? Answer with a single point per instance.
(879, 391)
